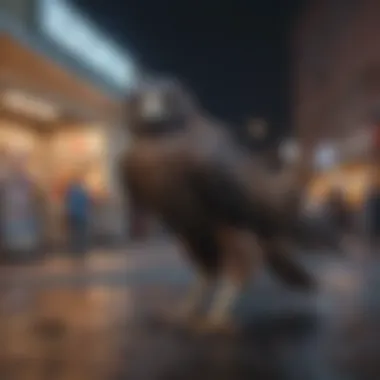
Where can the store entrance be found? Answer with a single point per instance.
(78, 152)
(22, 189)
(49, 116)
(47, 158)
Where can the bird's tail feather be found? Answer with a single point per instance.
(290, 271)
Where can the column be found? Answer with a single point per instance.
(117, 143)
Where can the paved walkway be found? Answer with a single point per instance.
(96, 262)
(102, 327)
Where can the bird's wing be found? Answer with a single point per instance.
(227, 200)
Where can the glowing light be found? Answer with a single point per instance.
(28, 105)
(326, 157)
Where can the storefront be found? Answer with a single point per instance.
(346, 165)
(352, 179)
(61, 95)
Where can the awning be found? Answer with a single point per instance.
(24, 69)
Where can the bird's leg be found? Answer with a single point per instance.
(193, 300)
(225, 298)
(190, 307)
(241, 254)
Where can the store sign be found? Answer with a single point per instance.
(64, 25)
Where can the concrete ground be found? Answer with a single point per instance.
(63, 319)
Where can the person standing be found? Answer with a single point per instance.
(21, 208)
(78, 213)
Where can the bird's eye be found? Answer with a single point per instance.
(152, 105)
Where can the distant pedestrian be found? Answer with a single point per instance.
(78, 212)
(21, 210)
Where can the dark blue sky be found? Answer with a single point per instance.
(234, 54)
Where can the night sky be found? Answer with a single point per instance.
(235, 55)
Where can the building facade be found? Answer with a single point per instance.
(63, 86)
(336, 98)
(336, 65)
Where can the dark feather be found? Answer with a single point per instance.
(205, 183)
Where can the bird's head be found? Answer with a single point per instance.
(158, 107)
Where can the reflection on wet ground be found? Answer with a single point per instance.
(103, 328)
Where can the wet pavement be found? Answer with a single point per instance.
(96, 320)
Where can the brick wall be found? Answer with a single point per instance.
(336, 67)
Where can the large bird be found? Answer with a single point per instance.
(217, 197)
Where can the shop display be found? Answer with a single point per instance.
(353, 180)
(83, 150)
(52, 160)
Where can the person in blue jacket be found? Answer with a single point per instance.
(78, 212)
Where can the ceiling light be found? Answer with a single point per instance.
(28, 105)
